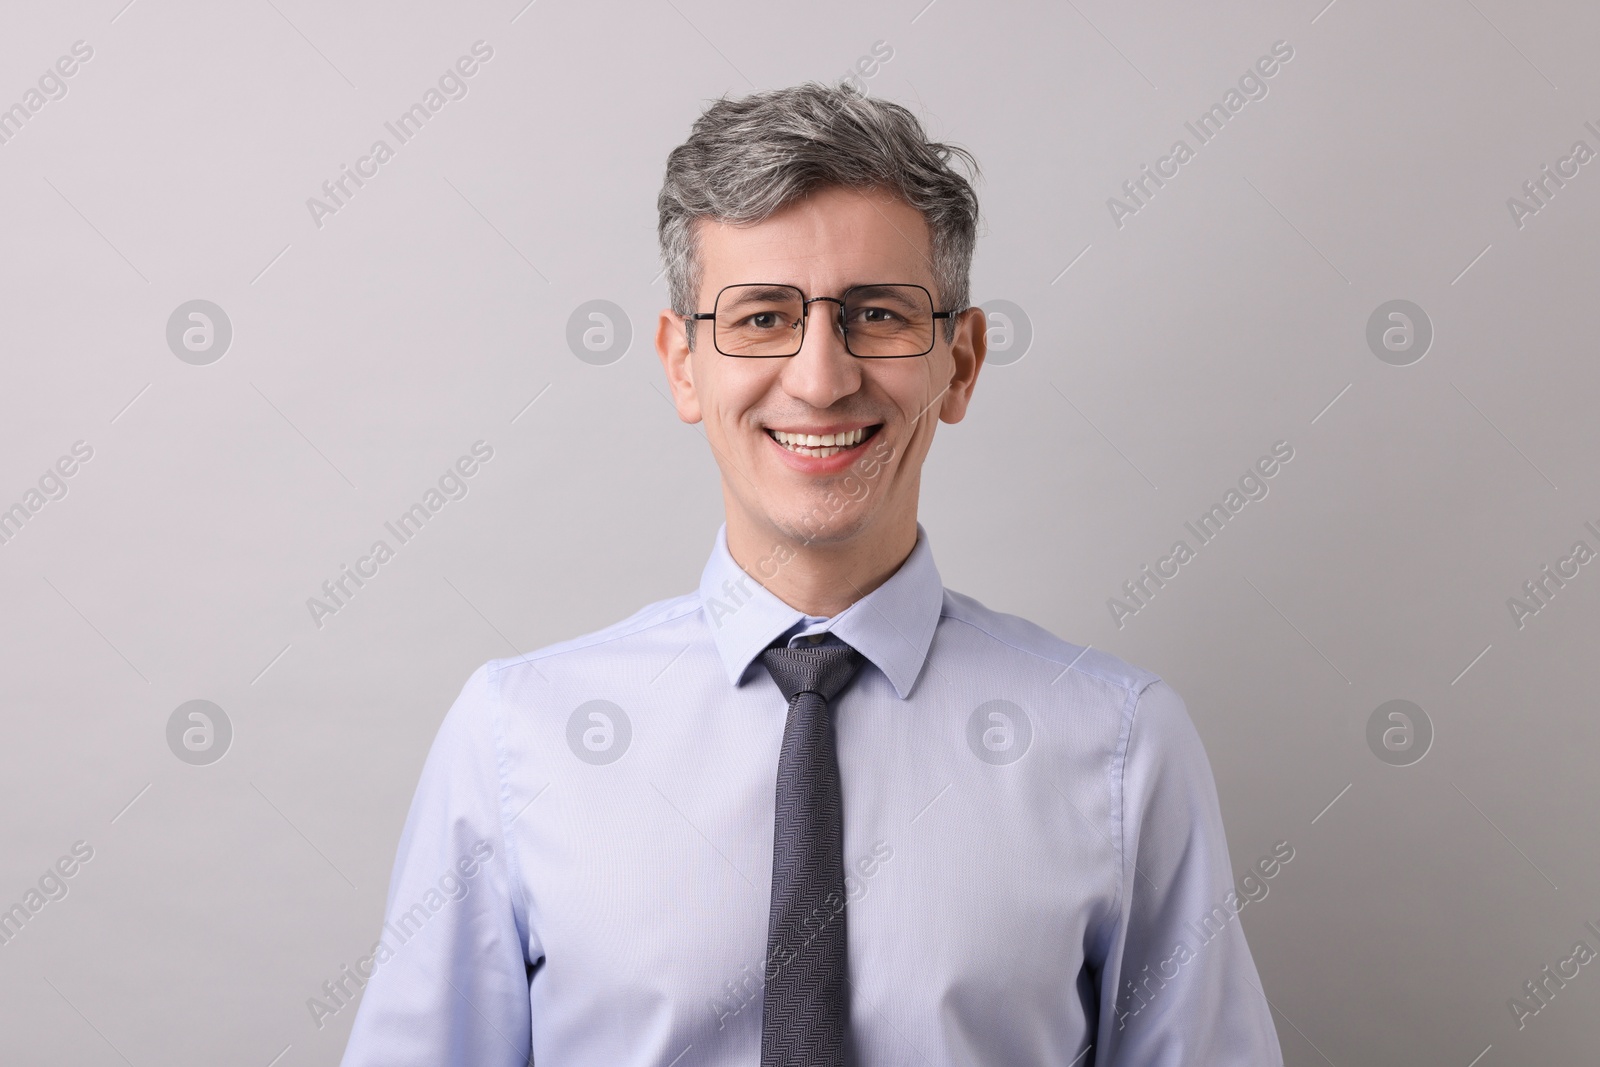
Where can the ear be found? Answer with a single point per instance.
(971, 344)
(672, 345)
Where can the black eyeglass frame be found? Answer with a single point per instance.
(805, 317)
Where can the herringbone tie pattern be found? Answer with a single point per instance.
(806, 1003)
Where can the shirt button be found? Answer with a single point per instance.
(815, 638)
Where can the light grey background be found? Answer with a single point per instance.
(1168, 355)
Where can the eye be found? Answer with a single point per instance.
(886, 314)
(764, 321)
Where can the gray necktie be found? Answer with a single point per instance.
(806, 1003)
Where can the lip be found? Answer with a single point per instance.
(835, 428)
(818, 465)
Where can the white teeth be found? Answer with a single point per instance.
(819, 445)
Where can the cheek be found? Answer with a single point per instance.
(912, 392)
(934, 386)
(727, 401)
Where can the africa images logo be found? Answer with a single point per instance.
(1252, 85)
(452, 85)
(452, 485)
(1140, 590)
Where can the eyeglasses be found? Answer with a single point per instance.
(768, 321)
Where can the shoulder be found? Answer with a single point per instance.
(1036, 643)
(662, 621)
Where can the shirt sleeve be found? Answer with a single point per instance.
(1179, 985)
(447, 981)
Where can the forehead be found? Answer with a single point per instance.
(829, 239)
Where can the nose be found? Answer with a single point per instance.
(822, 371)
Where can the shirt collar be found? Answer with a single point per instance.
(892, 626)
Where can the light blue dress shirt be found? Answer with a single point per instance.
(1035, 856)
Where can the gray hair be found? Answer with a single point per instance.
(746, 159)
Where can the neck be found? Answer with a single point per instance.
(821, 578)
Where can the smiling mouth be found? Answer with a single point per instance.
(825, 444)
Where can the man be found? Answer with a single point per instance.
(822, 810)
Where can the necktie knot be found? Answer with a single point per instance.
(824, 669)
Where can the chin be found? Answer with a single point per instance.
(823, 524)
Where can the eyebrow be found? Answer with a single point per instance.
(758, 291)
(879, 289)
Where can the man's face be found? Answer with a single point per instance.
(822, 244)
